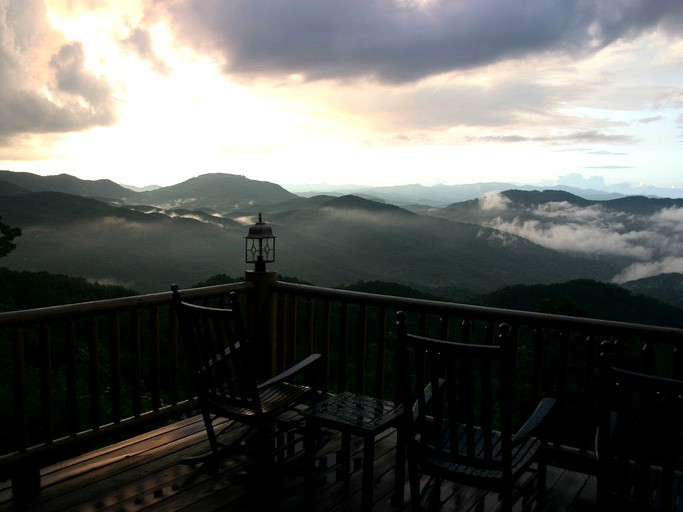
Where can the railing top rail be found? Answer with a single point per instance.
(15, 318)
(588, 325)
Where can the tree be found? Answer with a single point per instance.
(7, 234)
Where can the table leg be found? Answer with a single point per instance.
(368, 472)
(310, 445)
(345, 456)
(400, 470)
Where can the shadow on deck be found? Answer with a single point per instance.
(143, 473)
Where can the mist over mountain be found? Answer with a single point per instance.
(195, 229)
(644, 234)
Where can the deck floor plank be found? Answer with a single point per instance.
(144, 474)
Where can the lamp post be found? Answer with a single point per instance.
(260, 245)
(259, 250)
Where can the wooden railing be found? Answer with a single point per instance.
(77, 376)
(557, 354)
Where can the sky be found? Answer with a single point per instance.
(369, 92)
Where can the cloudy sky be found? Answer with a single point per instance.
(371, 92)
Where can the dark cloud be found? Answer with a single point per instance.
(72, 78)
(396, 41)
(140, 42)
(45, 85)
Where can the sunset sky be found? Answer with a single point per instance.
(370, 92)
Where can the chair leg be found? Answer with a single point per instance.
(414, 478)
(541, 483)
(210, 432)
(310, 444)
(506, 499)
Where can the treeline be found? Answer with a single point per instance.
(581, 297)
(28, 290)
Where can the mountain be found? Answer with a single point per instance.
(83, 237)
(103, 189)
(327, 241)
(540, 204)
(195, 229)
(439, 195)
(663, 287)
(222, 192)
(587, 298)
(349, 239)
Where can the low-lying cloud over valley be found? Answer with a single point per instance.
(652, 242)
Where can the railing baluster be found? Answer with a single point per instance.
(281, 330)
(19, 369)
(115, 367)
(677, 369)
(308, 327)
(444, 327)
(562, 378)
(343, 345)
(71, 383)
(537, 363)
(290, 354)
(94, 370)
(155, 359)
(648, 358)
(326, 336)
(381, 360)
(362, 348)
(466, 330)
(46, 383)
(589, 420)
(136, 370)
(174, 355)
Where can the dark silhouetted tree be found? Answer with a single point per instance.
(7, 234)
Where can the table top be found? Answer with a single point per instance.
(359, 414)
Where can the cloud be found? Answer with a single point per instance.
(588, 136)
(398, 42)
(46, 87)
(492, 201)
(654, 244)
(672, 264)
(140, 42)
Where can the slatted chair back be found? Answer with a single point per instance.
(640, 439)
(470, 386)
(220, 354)
(459, 399)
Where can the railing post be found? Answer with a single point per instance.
(261, 318)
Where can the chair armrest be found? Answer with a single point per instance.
(428, 395)
(302, 366)
(613, 417)
(535, 421)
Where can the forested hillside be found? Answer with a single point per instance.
(28, 290)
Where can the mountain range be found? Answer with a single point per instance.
(184, 233)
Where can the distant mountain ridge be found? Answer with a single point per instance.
(101, 189)
(196, 228)
(217, 191)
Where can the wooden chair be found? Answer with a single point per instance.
(459, 403)
(639, 443)
(221, 360)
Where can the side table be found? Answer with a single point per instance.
(360, 415)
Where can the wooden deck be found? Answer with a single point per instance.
(144, 473)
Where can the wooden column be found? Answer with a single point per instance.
(261, 319)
